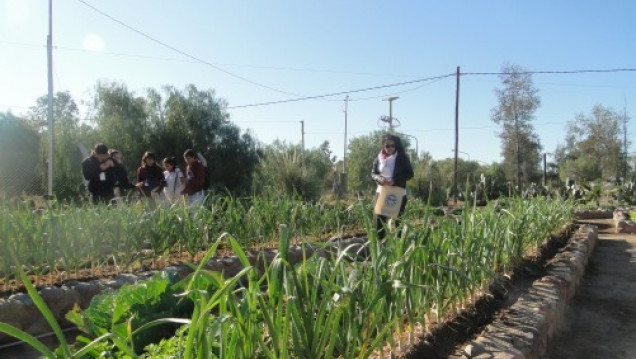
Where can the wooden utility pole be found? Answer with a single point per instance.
(302, 145)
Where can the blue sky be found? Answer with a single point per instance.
(252, 52)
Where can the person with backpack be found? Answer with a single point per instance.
(175, 180)
(195, 178)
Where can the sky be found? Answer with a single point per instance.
(264, 57)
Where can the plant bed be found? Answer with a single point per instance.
(448, 339)
(403, 280)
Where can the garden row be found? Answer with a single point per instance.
(324, 306)
(56, 242)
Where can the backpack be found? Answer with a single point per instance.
(204, 162)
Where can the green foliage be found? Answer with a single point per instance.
(428, 183)
(129, 308)
(286, 170)
(588, 138)
(22, 165)
(68, 135)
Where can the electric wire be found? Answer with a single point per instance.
(185, 53)
(340, 93)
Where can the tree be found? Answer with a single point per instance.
(517, 102)
(588, 139)
(21, 164)
(120, 119)
(361, 152)
(68, 135)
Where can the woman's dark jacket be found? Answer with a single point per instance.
(151, 176)
(402, 172)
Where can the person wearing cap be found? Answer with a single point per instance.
(99, 170)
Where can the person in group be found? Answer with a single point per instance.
(175, 180)
(195, 178)
(99, 170)
(121, 174)
(150, 179)
(391, 167)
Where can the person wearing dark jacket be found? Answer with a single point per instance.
(391, 167)
(150, 178)
(195, 178)
(121, 174)
(99, 170)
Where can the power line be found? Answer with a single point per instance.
(183, 52)
(428, 79)
(340, 93)
(550, 72)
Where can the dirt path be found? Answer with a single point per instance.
(601, 320)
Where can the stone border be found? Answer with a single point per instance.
(525, 329)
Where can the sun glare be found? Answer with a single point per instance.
(93, 42)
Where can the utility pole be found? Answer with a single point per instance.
(344, 157)
(49, 52)
(456, 137)
(391, 99)
(302, 145)
(545, 169)
(624, 161)
(343, 179)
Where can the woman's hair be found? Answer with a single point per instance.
(399, 148)
(190, 153)
(171, 161)
(147, 155)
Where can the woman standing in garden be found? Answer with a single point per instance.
(150, 179)
(175, 180)
(391, 168)
(195, 178)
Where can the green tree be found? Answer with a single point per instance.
(67, 137)
(588, 139)
(428, 182)
(121, 121)
(517, 103)
(361, 152)
(22, 165)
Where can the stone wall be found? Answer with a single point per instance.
(524, 331)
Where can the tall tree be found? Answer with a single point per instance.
(517, 102)
(588, 139)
